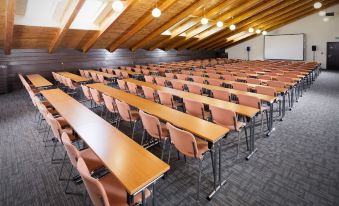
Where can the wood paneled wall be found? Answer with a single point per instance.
(28, 61)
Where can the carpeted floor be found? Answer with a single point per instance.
(297, 165)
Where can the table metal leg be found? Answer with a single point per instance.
(270, 120)
(252, 147)
(283, 106)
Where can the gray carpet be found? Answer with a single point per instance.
(297, 165)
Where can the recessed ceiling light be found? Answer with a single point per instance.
(220, 24)
(264, 33)
(156, 12)
(258, 31)
(117, 6)
(317, 5)
(251, 30)
(232, 27)
(204, 21)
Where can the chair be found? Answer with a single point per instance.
(240, 86)
(168, 100)
(133, 88)
(270, 91)
(215, 82)
(72, 86)
(104, 70)
(276, 84)
(189, 146)
(154, 128)
(198, 79)
(82, 73)
(253, 81)
(150, 94)
(127, 114)
(110, 106)
(109, 71)
(87, 74)
(196, 89)
(228, 119)
(196, 109)
(122, 85)
(228, 77)
(161, 81)
(145, 71)
(117, 72)
(169, 75)
(99, 102)
(95, 77)
(213, 75)
(265, 77)
(254, 102)
(177, 85)
(182, 76)
(101, 79)
(107, 190)
(93, 161)
(149, 79)
(221, 94)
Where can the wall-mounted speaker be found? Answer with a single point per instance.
(314, 48)
(248, 48)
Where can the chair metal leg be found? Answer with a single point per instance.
(199, 179)
(143, 136)
(62, 166)
(169, 152)
(133, 128)
(69, 179)
(163, 148)
(238, 144)
(262, 122)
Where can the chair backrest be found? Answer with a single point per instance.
(166, 98)
(182, 76)
(265, 77)
(149, 79)
(240, 86)
(104, 70)
(82, 73)
(196, 89)
(213, 75)
(151, 124)
(101, 78)
(183, 141)
(122, 84)
(87, 74)
(94, 188)
(221, 94)
(214, 82)
(187, 72)
(270, 91)
(124, 110)
(132, 88)
(223, 117)
(169, 75)
(55, 126)
(194, 108)
(198, 79)
(249, 101)
(109, 71)
(86, 92)
(109, 103)
(177, 85)
(145, 71)
(228, 77)
(94, 77)
(96, 95)
(149, 93)
(276, 84)
(138, 70)
(117, 72)
(72, 152)
(161, 81)
(124, 74)
(253, 81)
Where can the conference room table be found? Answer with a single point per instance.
(212, 133)
(134, 167)
(109, 77)
(75, 77)
(249, 112)
(39, 81)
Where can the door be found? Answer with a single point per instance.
(332, 56)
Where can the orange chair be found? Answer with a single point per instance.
(182, 76)
(133, 88)
(124, 74)
(196, 89)
(221, 94)
(196, 109)
(155, 129)
(228, 77)
(177, 85)
(189, 146)
(253, 81)
(198, 79)
(111, 108)
(169, 75)
(122, 85)
(87, 74)
(167, 99)
(149, 79)
(127, 114)
(101, 79)
(161, 81)
(107, 190)
(150, 94)
(228, 119)
(95, 77)
(99, 102)
(215, 82)
(240, 86)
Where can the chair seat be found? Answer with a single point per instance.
(134, 115)
(92, 160)
(240, 125)
(69, 131)
(202, 147)
(63, 123)
(177, 104)
(207, 115)
(116, 192)
(164, 131)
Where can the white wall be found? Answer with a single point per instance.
(316, 33)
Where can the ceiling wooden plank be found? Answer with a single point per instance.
(138, 26)
(70, 15)
(106, 25)
(185, 13)
(9, 25)
(211, 13)
(267, 17)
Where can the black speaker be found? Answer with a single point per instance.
(248, 48)
(314, 48)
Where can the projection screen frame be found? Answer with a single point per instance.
(303, 34)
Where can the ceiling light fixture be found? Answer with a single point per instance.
(204, 21)
(156, 12)
(118, 6)
(232, 27)
(317, 5)
(322, 13)
(251, 30)
(258, 31)
(264, 32)
(220, 24)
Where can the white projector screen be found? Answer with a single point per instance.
(285, 46)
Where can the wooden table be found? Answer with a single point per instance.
(199, 127)
(38, 81)
(134, 166)
(74, 77)
(106, 75)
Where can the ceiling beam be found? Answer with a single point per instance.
(286, 10)
(185, 13)
(211, 13)
(137, 26)
(300, 15)
(9, 25)
(67, 21)
(106, 25)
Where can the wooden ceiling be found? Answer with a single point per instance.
(136, 28)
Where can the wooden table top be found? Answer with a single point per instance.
(199, 127)
(38, 80)
(74, 77)
(107, 75)
(262, 97)
(237, 108)
(132, 73)
(134, 166)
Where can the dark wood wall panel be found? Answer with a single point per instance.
(29, 61)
